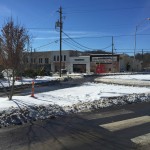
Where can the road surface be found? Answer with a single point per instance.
(116, 128)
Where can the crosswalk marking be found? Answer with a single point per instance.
(142, 140)
(108, 114)
(119, 125)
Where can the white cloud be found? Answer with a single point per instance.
(85, 33)
(44, 31)
(46, 38)
(4, 11)
(73, 34)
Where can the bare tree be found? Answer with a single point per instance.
(14, 39)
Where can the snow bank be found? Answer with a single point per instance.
(88, 96)
(19, 116)
(143, 77)
(129, 80)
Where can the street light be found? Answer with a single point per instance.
(136, 28)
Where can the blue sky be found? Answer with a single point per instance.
(90, 23)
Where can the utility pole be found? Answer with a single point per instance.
(60, 24)
(134, 48)
(142, 58)
(135, 42)
(142, 54)
(112, 54)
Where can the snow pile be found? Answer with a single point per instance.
(19, 116)
(16, 116)
(142, 77)
(111, 101)
(87, 96)
(129, 80)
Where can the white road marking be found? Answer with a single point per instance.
(142, 140)
(119, 125)
(108, 114)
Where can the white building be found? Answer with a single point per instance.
(73, 61)
(65, 59)
(79, 64)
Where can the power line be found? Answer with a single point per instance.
(106, 9)
(47, 44)
(87, 48)
(109, 36)
(66, 42)
(101, 48)
(73, 44)
(133, 49)
(77, 42)
(106, 47)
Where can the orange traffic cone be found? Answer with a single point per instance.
(32, 93)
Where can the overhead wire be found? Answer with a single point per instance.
(73, 44)
(77, 42)
(99, 9)
(83, 47)
(68, 44)
(87, 48)
(109, 36)
(47, 44)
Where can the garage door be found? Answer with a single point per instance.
(79, 68)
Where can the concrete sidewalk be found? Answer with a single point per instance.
(127, 82)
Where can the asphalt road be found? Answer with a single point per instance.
(116, 128)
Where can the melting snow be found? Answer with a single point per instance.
(75, 99)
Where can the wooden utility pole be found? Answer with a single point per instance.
(112, 54)
(60, 25)
(142, 54)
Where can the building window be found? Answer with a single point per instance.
(31, 60)
(57, 58)
(54, 58)
(40, 60)
(34, 60)
(64, 57)
(46, 60)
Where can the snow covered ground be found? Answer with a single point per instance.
(69, 96)
(87, 96)
(38, 79)
(128, 80)
(143, 77)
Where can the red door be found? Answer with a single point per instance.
(100, 68)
